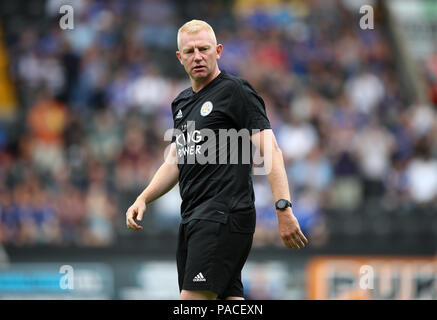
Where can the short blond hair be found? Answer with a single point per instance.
(195, 26)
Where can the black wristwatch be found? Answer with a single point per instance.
(282, 204)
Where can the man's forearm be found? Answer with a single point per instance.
(277, 175)
(289, 228)
(265, 141)
(165, 178)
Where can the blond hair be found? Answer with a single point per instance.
(195, 26)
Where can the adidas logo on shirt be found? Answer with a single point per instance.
(179, 114)
(199, 278)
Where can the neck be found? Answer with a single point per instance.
(199, 84)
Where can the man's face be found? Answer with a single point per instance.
(199, 54)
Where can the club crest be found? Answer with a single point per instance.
(206, 108)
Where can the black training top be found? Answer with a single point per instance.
(212, 131)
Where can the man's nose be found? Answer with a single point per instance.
(197, 55)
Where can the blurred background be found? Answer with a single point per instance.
(83, 113)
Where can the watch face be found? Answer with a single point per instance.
(281, 204)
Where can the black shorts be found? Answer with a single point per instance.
(211, 255)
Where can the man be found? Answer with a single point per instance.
(218, 213)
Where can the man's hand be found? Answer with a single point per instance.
(135, 211)
(289, 230)
(162, 182)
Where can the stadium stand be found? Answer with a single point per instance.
(94, 103)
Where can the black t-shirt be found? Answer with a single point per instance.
(212, 130)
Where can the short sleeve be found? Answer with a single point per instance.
(248, 108)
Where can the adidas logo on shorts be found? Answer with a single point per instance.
(199, 278)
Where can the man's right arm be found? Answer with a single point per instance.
(165, 178)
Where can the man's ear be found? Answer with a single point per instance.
(178, 54)
(219, 50)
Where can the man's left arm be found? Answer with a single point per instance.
(288, 224)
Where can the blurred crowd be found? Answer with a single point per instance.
(95, 104)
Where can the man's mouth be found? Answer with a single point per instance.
(198, 68)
